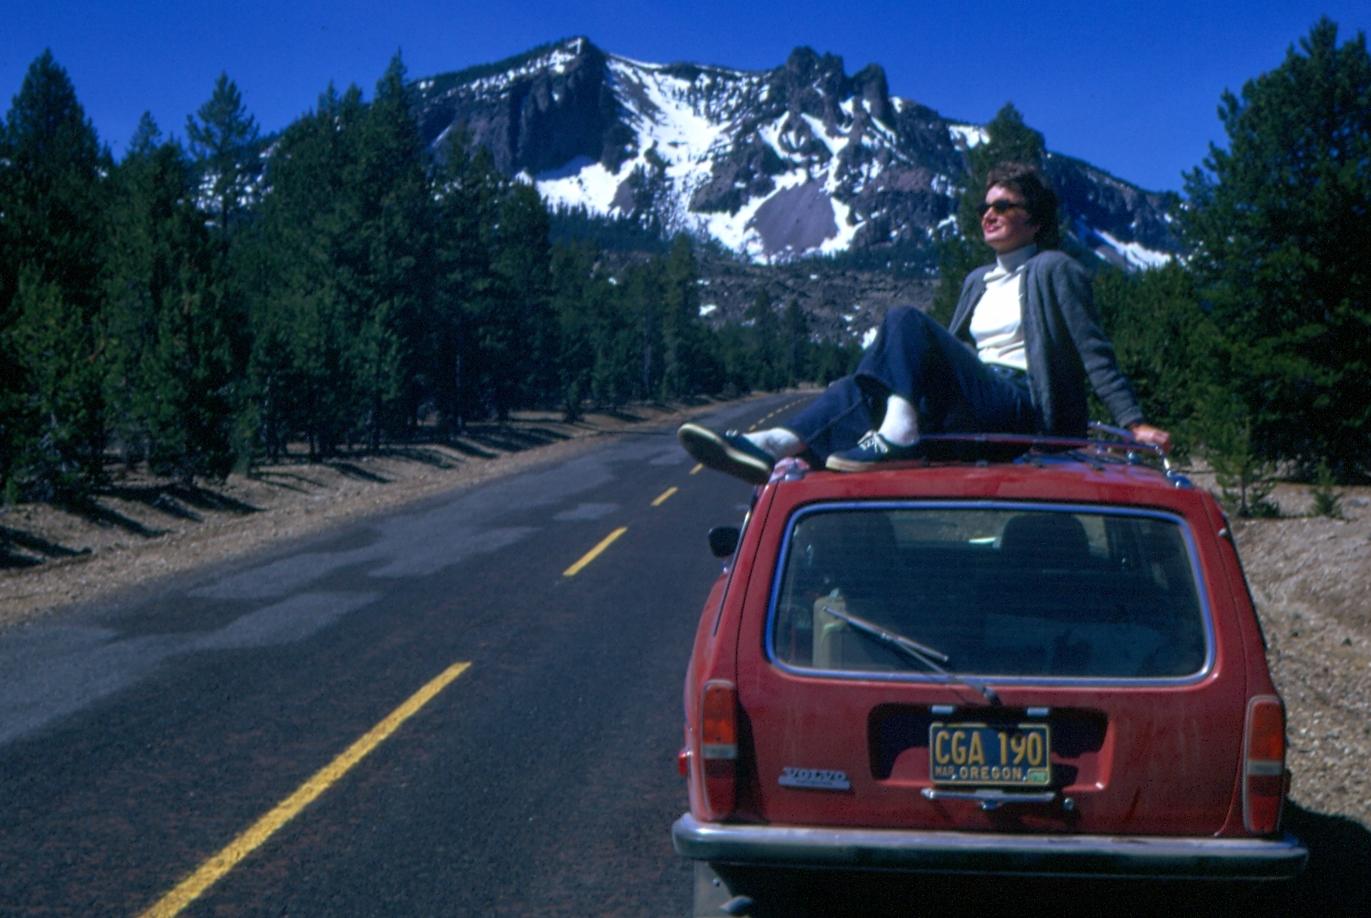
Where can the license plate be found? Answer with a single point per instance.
(1016, 755)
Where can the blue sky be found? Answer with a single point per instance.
(1131, 87)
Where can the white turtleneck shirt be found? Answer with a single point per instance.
(997, 321)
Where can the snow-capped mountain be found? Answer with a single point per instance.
(800, 160)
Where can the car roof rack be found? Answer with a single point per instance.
(1105, 445)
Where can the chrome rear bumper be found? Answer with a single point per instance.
(976, 853)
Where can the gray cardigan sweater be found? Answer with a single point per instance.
(1063, 341)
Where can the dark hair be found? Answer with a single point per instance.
(1039, 199)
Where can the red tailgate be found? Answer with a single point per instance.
(1081, 627)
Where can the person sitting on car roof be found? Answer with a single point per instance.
(1022, 342)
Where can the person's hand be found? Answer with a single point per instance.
(1152, 436)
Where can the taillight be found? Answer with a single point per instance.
(719, 746)
(1263, 789)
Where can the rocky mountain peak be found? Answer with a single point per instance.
(870, 83)
(798, 160)
(806, 68)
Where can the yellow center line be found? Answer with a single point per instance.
(214, 869)
(594, 552)
(696, 470)
(665, 495)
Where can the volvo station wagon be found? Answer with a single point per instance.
(1027, 659)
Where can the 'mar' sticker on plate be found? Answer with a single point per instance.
(817, 778)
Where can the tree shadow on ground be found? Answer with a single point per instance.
(209, 499)
(286, 481)
(19, 549)
(480, 440)
(90, 510)
(512, 439)
(172, 499)
(177, 500)
(351, 470)
(424, 454)
(621, 414)
(467, 448)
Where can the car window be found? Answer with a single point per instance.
(1006, 590)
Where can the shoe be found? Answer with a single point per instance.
(728, 452)
(873, 450)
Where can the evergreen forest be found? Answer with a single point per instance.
(225, 298)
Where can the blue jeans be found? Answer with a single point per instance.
(916, 358)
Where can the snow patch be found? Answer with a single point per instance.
(580, 183)
(944, 185)
(1137, 255)
(556, 60)
(970, 135)
(835, 145)
(847, 229)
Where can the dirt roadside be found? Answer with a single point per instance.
(1310, 576)
(1311, 580)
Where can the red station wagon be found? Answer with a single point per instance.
(1036, 659)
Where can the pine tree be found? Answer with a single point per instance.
(577, 292)
(523, 372)
(733, 347)
(686, 368)
(1245, 478)
(397, 284)
(56, 342)
(835, 359)
(641, 295)
(1271, 223)
(468, 192)
(767, 348)
(225, 144)
(625, 331)
(52, 198)
(1008, 139)
(797, 346)
(131, 314)
(226, 149)
(309, 262)
(170, 382)
(1165, 341)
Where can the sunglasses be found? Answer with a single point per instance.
(1000, 207)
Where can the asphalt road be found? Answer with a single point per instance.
(423, 714)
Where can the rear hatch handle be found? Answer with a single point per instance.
(992, 799)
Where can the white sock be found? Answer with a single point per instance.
(901, 423)
(777, 441)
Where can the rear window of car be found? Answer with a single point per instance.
(1011, 591)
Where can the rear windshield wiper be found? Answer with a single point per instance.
(920, 653)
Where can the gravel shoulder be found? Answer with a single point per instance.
(1311, 579)
(1310, 576)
